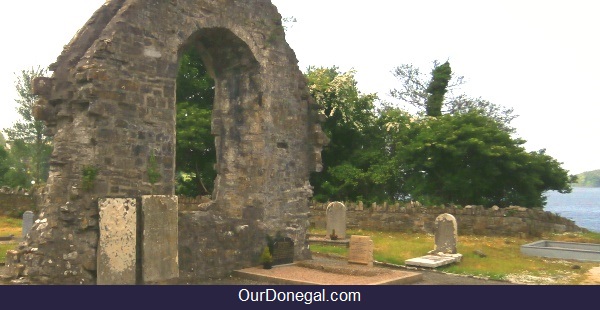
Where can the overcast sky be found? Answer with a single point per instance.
(538, 57)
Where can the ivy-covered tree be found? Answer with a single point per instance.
(415, 89)
(437, 88)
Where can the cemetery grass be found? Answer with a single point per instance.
(8, 226)
(503, 259)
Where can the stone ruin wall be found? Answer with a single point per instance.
(217, 242)
(110, 106)
(15, 203)
(472, 220)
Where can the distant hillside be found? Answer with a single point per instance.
(588, 179)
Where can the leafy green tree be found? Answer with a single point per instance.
(29, 146)
(352, 162)
(196, 154)
(4, 164)
(17, 172)
(395, 128)
(469, 159)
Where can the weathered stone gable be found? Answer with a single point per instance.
(110, 106)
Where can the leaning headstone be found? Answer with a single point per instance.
(360, 250)
(160, 238)
(283, 251)
(446, 234)
(116, 258)
(336, 219)
(27, 222)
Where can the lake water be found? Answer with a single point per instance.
(581, 206)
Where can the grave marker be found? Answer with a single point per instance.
(283, 251)
(361, 250)
(160, 259)
(27, 222)
(116, 258)
(446, 234)
(336, 219)
(444, 252)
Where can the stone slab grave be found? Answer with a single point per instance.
(122, 232)
(283, 251)
(118, 241)
(444, 251)
(160, 259)
(336, 220)
(434, 261)
(360, 250)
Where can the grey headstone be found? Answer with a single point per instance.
(160, 259)
(336, 219)
(117, 246)
(283, 251)
(27, 222)
(360, 250)
(446, 234)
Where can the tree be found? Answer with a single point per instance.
(437, 89)
(469, 159)
(415, 86)
(4, 163)
(396, 128)
(588, 179)
(352, 161)
(26, 137)
(195, 153)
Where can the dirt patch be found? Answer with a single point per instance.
(592, 277)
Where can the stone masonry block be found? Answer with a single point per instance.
(160, 259)
(117, 247)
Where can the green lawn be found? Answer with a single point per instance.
(9, 226)
(503, 260)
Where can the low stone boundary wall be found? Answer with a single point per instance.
(14, 205)
(476, 220)
(511, 221)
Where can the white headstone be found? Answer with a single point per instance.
(336, 219)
